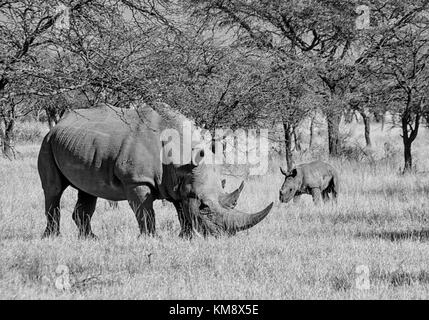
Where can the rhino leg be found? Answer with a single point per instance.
(325, 195)
(114, 205)
(334, 195)
(141, 200)
(185, 223)
(332, 188)
(52, 212)
(334, 192)
(316, 194)
(53, 184)
(82, 214)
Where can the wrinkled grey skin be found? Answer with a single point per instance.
(115, 154)
(316, 178)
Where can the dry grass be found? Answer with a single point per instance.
(300, 251)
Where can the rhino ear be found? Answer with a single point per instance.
(283, 171)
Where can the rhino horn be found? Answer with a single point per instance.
(232, 220)
(229, 200)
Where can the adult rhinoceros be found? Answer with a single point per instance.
(117, 154)
(316, 178)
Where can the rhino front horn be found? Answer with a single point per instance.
(232, 220)
(239, 221)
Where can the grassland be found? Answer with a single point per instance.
(300, 251)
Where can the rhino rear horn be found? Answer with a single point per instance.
(229, 200)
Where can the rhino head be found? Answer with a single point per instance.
(291, 184)
(208, 208)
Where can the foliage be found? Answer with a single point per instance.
(223, 63)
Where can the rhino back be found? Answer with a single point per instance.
(101, 150)
(316, 174)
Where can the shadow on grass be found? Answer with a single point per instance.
(341, 283)
(403, 278)
(415, 235)
(397, 190)
(371, 217)
(22, 237)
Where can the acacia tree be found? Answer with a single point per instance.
(293, 31)
(323, 31)
(209, 81)
(362, 102)
(366, 117)
(230, 86)
(288, 92)
(403, 82)
(393, 67)
(27, 29)
(100, 51)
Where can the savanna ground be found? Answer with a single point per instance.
(300, 251)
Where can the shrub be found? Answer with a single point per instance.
(30, 131)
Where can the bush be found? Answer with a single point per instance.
(355, 153)
(30, 131)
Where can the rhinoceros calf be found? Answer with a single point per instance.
(118, 154)
(316, 178)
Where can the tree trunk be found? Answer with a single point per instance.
(366, 122)
(410, 129)
(333, 119)
(297, 139)
(311, 133)
(1, 138)
(288, 144)
(8, 149)
(408, 159)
